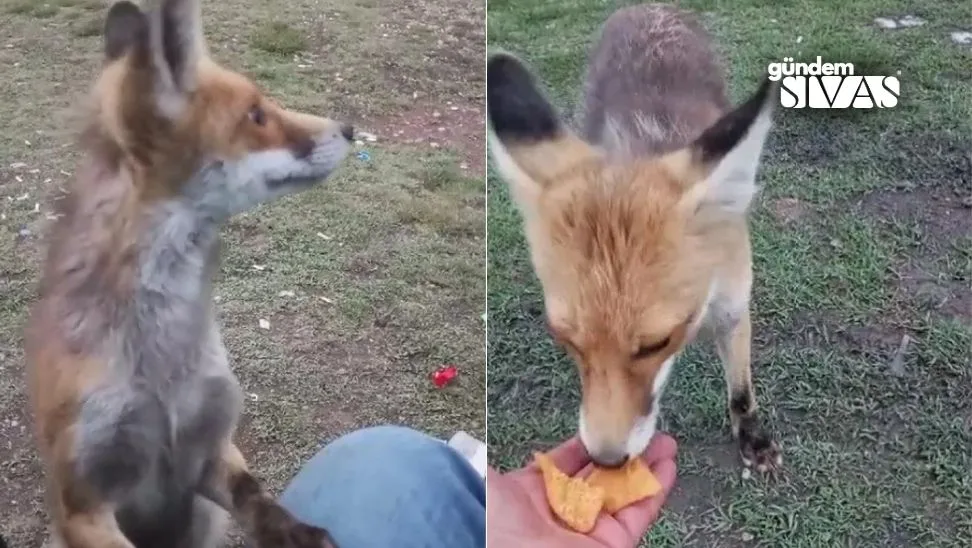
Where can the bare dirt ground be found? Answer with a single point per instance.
(368, 284)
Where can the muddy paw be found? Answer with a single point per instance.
(758, 449)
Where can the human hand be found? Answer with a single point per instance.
(518, 513)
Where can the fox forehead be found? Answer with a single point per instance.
(122, 96)
(590, 307)
(623, 264)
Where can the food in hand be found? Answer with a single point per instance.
(571, 499)
(625, 485)
(578, 501)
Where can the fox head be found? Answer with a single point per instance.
(182, 125)
(625, 248)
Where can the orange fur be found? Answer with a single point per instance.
(625, 263)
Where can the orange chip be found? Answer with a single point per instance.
(625, 485)
(571, 499)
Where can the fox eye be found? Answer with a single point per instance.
(257, 116)
(649, 349)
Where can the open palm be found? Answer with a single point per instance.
(518, 513)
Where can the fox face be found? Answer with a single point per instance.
(187, 127)
(627, 249)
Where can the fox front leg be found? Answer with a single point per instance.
(229, 483)
(756, 445)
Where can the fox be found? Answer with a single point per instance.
(635, 218)
(133, 401)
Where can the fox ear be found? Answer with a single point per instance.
(529, 143)
(725, 158)
(125, 26)
(175, 47)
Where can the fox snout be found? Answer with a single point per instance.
(306, 151)
(320, 144)
(618, 415)
(304, 148)
(610, 440)
(330, 148)
(609, 457)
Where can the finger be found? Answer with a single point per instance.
(533, 489)
(492, 473)
(587, 470)
(609, 532)
(638, 517)
(569, 456)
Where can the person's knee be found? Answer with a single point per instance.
(385, 440)
(417, 457)
(396, 476)
(389, 433)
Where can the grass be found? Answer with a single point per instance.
(48, 9)
(871, 458)
(278, 38)
(368, 283)
(38, 10)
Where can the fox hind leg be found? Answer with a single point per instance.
(209, 525)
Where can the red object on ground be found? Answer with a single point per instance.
(443, 375)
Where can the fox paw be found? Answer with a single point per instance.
(293, 534)
(275, 527)
(757, 447)
(270, 525)
(308, 536)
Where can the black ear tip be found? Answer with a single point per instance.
(729, 130)
(499, 58)
(768, 89)
(515, 106)
(764, 97)
(504, 68)
(765, 87)
(123, 25)
(123, 8)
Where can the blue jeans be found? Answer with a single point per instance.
(390, 486)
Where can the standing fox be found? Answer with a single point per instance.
(134, 402)
(637, 229)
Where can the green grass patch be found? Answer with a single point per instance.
(278, 38)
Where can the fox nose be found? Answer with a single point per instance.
(347, 131)
(609, 458)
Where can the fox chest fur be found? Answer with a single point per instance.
(129, 322)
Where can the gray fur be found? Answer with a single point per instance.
(653, 82)
(723, 313)
(169, 401)
(81, 297)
